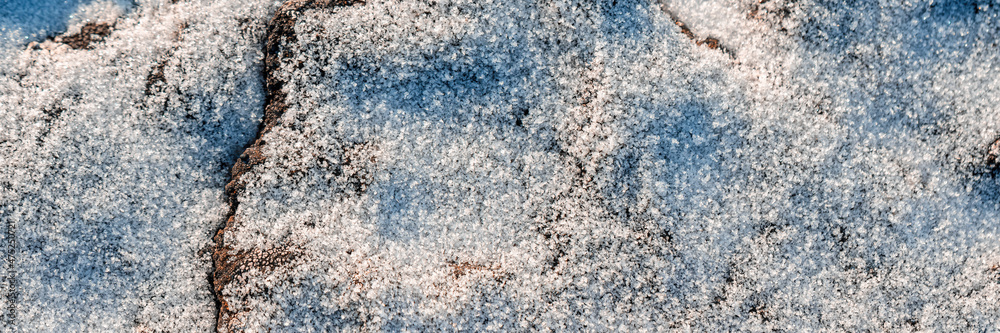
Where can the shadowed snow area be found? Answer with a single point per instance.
(480, 165)
(22, 21)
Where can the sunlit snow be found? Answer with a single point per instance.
(503, 166)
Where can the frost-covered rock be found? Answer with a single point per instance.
(115, 147)
(596, 166)
(23, 21)
(512, 165)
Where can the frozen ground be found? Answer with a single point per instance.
(505, 166)
(113, 160)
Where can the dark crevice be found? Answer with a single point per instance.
(155, 76)
(709, 42)
(226, 262)
(993, 155)
(52, 114)
(90, 33)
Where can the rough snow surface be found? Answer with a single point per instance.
(113, 161)
(566, 165)
(506, 166)
(23, 21)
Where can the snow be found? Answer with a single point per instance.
(506, 165)
(114, 189)
(574, 166)
(22, 21)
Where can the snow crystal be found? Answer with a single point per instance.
(114, 158)
(628, 165)
(589, 166)
(22, 21)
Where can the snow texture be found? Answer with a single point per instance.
(22, 21)
(577, 166)
(113, 160)
(624, 165)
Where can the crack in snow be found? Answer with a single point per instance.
(280, 30)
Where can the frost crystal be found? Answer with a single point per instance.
(511, 165)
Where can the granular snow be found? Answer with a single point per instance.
(503, 166)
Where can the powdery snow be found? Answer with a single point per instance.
(113, 160)
(504, 166)
(579, 166)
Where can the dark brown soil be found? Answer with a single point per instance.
(91, 32)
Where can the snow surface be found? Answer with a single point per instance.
(22, 21)
(506, 166)
(565, 165)
(112, 189)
